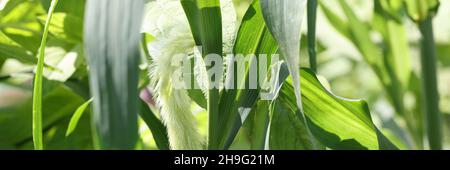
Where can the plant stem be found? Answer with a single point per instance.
(429, 85)
(37, 91)
(213, 122)
(312, 17)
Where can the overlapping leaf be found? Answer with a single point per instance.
(285, 24)
(253, 38)
(336, 122)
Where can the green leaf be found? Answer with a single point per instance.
(16, 52)
(81, 139)
(72, 7)
(328, 116)
(253, 38)
(18, 22)
(157, 128)
(76, 117)
(384, 67)
(37, 92)
(113, 56)
(66, 27)
(287, 129)
(257, 125)
(285, 27)
(388, 16)
(338, 23)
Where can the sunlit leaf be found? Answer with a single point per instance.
(66, 27)
(328, 115)
(284, 24)
(18, 22)
(37, 88)
(253, 38)
(76, 117)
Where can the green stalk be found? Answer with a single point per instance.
(213, 119)
(205, 20)
(312, 17)
(37, 91)
(429, 84)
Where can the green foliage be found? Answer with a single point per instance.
(58, 104)
(37, 92)
(20, 33)
(329, 114)
(76, 117)
(93, 55)
(206, 24)
(156, 126)
(420, 10)
(113, 55)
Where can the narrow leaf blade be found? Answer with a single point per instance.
(76, 117)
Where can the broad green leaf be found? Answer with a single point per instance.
(10, 49)
(111, 34)
(260, 119)
(71, 7)
(76, 117)
(37, 90)
(18, 22)
(419, 10)
(205, 20)
(336, 122)
(14, 51)
(285, 27)
(81, 139)
(285, 24)
(66, 27)
(157, 128)
(287, 129)
(253, 38)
